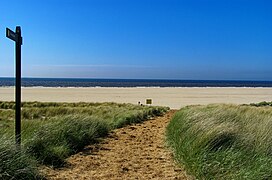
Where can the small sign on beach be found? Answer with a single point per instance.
(148, 101)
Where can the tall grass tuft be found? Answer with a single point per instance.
(223, 141)
(56, 140)
(15, 163)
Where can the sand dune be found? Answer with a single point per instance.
(172, 97)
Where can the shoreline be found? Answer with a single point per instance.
(174, 98)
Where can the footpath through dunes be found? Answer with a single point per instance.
(132, 152)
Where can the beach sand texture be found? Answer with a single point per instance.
(174, 98)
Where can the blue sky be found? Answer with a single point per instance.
(151, 39)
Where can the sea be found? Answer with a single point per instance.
(76, 82)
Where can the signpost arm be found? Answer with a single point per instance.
(18, 86)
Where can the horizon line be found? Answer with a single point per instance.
(169, 79)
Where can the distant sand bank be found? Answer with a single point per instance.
(172, 97)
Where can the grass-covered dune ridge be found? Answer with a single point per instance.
(53, 131)
(54, 141)
(223, 141)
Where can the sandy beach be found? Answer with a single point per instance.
(175, 98)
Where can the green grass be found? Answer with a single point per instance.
(55, 140)
(223, 141)
(16, 164)
(51, 132)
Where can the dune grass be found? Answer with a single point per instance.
(15, 163)
(261, 104)
(223, 141)
(54, 141)
(51, 132)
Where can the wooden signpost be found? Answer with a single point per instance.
(16, 36)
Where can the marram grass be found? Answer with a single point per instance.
(223, 141)
(51, 132)
(15, 163)
(54, 141)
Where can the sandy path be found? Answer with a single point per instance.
(133, 152)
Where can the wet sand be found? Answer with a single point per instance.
(175, 98)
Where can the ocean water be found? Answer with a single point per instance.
(69, 82)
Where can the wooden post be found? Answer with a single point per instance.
(16, 36)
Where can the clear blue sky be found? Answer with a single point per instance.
(154, 39)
